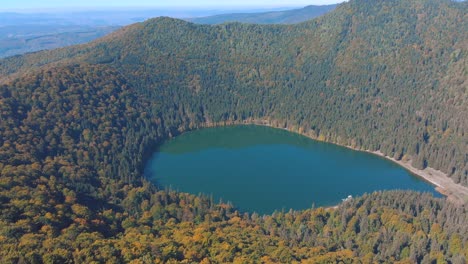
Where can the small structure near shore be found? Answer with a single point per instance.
(349, 198)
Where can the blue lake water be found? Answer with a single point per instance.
(264, 169)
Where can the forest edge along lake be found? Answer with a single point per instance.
(264, 169)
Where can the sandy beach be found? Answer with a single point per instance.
(455, 192)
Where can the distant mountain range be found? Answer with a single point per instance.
(23, 33)
(276, 17)
(109, 17)
(22, 39)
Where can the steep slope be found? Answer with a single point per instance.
(277, 17)
(77, 124)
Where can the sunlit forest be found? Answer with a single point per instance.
(78, 123)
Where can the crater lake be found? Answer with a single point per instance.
(264, 169)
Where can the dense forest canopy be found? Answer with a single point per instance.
(78, 123)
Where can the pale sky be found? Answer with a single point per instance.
(61, 4)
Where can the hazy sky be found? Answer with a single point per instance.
(45, 4)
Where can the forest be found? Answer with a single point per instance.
(78, 123)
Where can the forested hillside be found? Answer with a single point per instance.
(78, 123)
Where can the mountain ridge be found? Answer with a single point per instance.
(276, 17)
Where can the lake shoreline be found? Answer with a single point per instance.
(443, 184)
(454, 192)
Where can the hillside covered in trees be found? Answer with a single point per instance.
(78, 123)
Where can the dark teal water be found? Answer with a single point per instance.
(264, 169)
